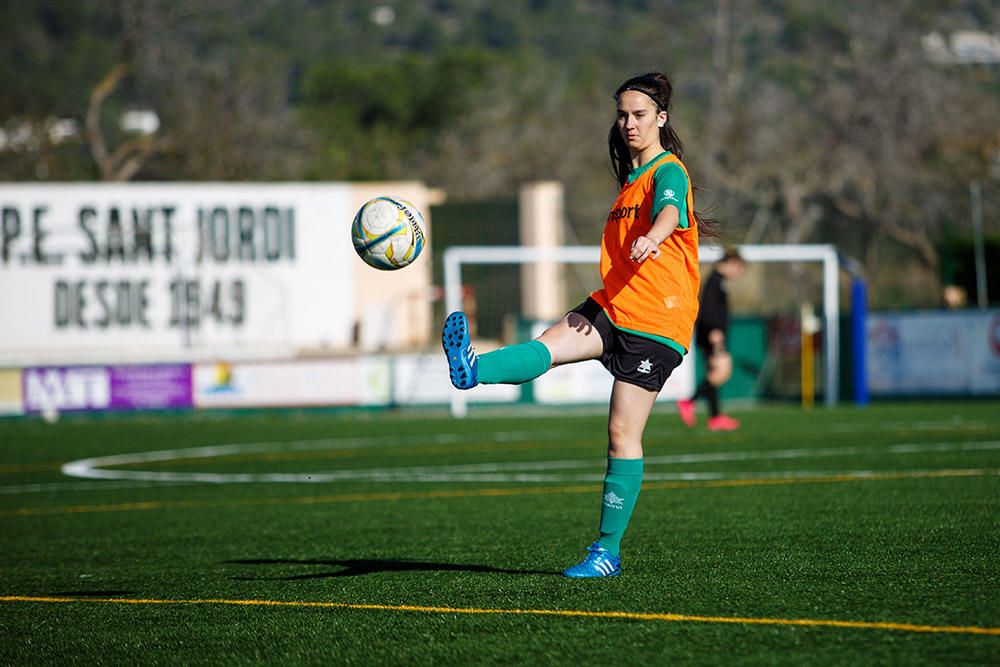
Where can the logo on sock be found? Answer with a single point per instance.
(612, 500)
(644, 366)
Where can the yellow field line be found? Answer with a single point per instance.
(627, 615)
(475, 493)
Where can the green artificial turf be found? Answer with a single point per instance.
(887, 516)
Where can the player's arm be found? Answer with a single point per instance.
(648, 245)
(669, 211)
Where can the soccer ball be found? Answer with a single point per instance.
(388, 233)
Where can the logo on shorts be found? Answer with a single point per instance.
(645, 366)
(613, 500)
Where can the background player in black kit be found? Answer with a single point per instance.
(711, 330)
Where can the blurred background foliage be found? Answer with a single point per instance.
(803, 121)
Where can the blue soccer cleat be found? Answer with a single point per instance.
(463, 364)
(598, 563)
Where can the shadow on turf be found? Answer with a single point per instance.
(360, 567)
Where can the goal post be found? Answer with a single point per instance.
(457, 256)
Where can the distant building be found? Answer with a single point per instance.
(963, 47)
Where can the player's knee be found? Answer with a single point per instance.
(623, 441)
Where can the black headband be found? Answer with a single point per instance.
(640, 90)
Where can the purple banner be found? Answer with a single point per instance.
(91, 388)
(145, 387)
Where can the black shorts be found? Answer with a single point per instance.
(629, 357)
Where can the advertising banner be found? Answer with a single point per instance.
(11, 396)
(97, 272)
(93, 388)
(939, 353)
(422, 379)
(347, 381)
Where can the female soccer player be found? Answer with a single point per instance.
(639, 324)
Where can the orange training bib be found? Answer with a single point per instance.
(658, 296)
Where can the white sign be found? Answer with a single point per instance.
(346, 381)
(422, 379)
(163, 270)
(934, 353)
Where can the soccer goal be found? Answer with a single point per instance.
(457, 258)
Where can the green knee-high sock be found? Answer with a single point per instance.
(514, 364)
(621, 490)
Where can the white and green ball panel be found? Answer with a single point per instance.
(387, 233)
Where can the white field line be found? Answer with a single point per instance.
(462, 437)
(526, 471)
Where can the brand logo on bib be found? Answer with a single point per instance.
(624, 212)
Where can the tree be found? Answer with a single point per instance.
(846, 130)
(130, 155)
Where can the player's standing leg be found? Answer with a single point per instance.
(630, 409)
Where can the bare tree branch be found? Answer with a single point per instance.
(95, 134)
(127, 159)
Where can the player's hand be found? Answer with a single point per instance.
(644, 247)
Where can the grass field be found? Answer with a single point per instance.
(827, 537)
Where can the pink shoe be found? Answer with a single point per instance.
(722, 423)
(685, 409)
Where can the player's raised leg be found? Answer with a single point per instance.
(571, 339)
(463, 365)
